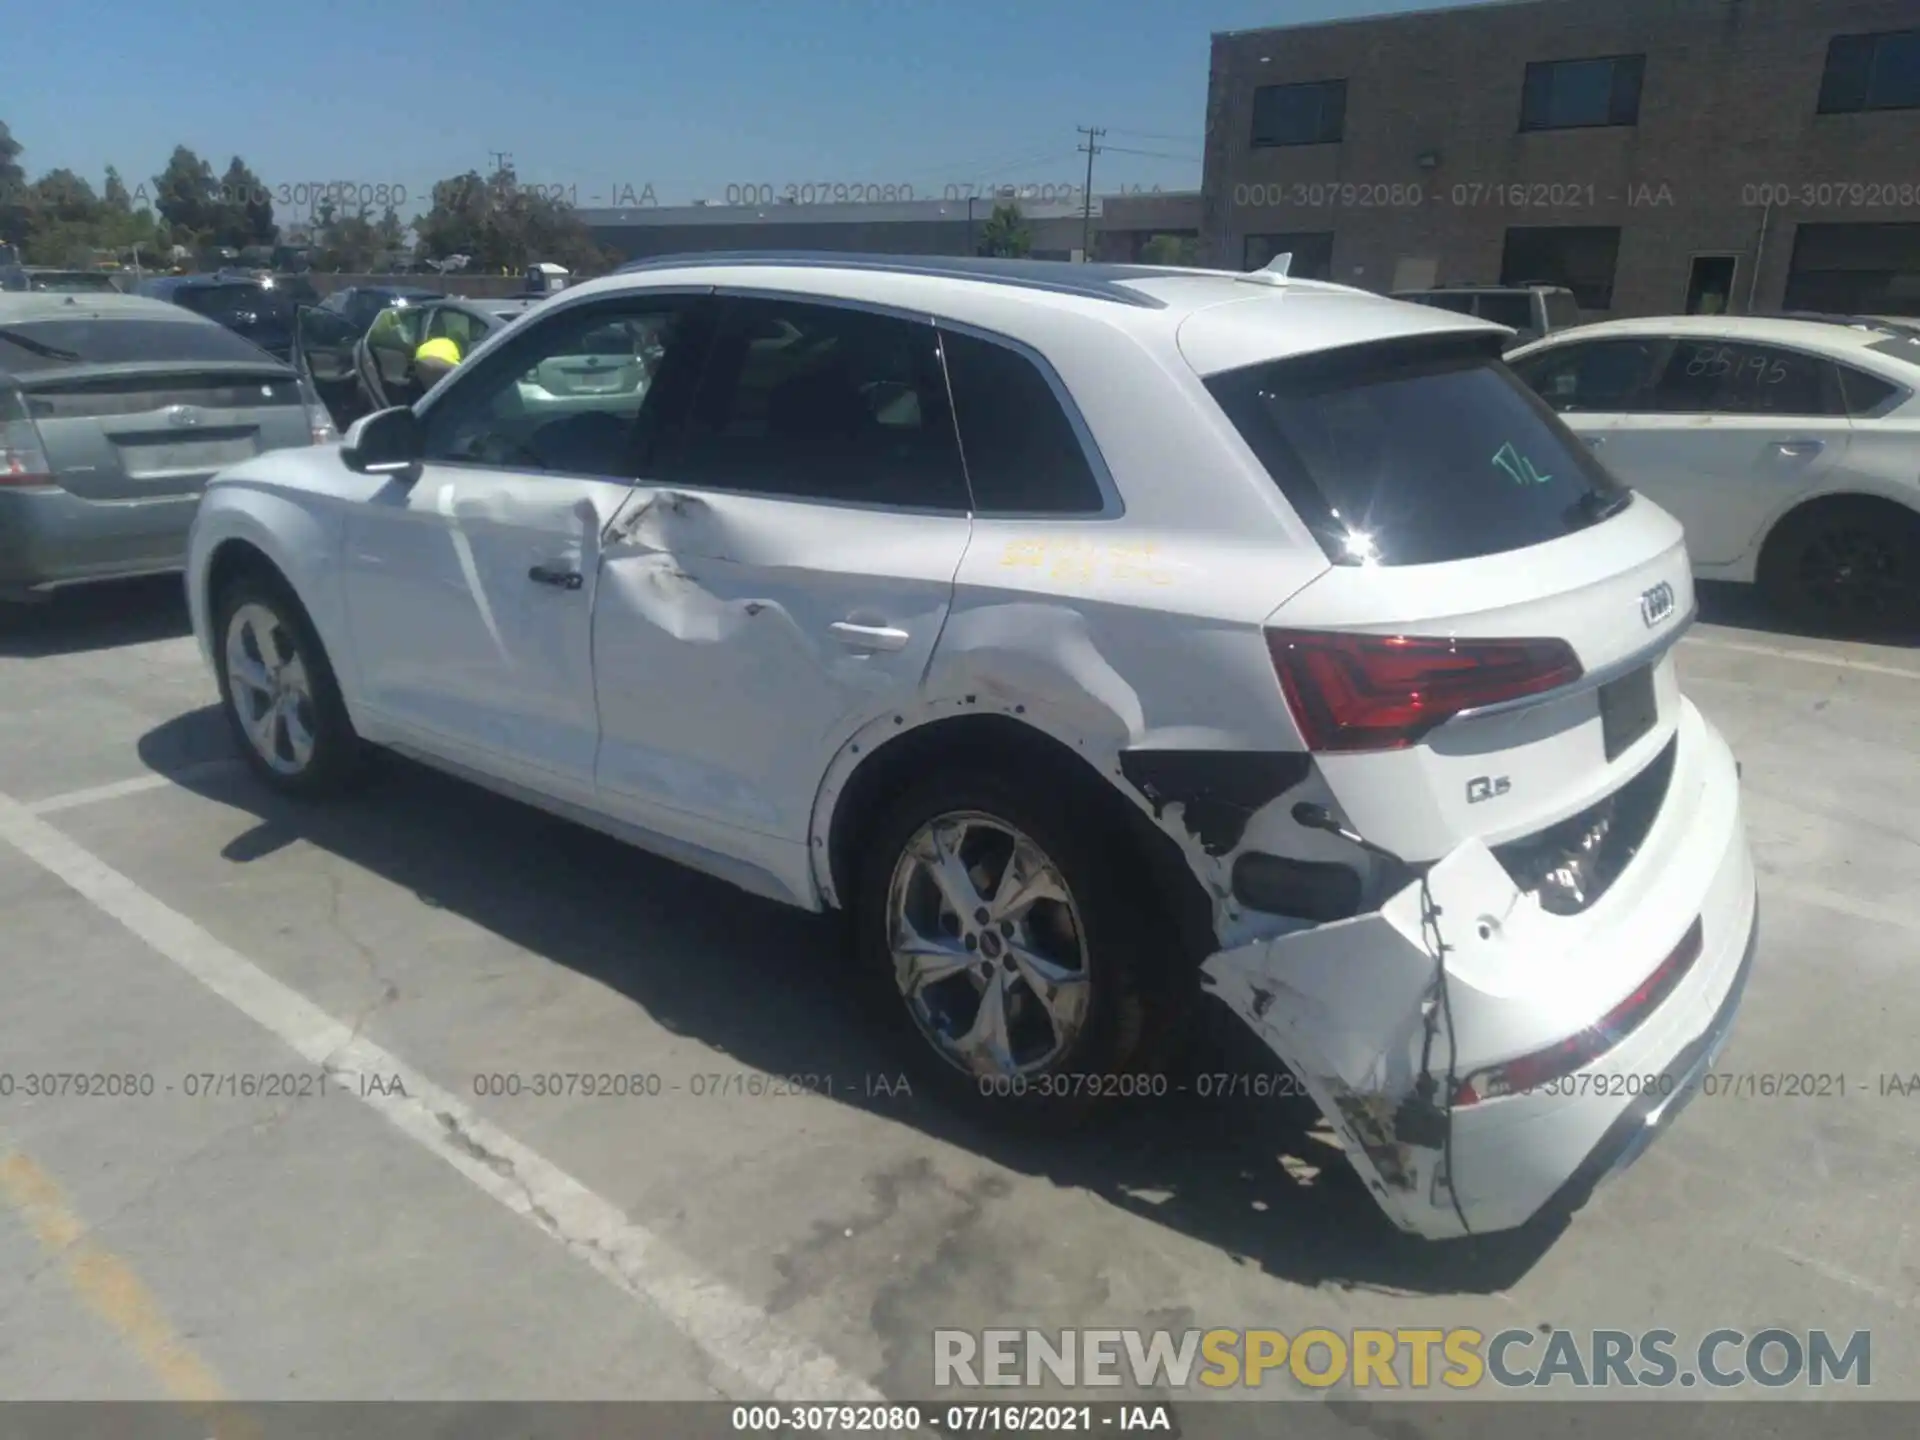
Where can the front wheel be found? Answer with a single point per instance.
(279, 693)
(1007, 940)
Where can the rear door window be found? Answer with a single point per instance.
(1594, 377)
(1416, 452)
(1458, 304)
(1563, 311)
(1713, 377)
(823, 403)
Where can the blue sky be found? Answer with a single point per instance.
(688, 97)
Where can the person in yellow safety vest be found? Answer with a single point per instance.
(434, 359)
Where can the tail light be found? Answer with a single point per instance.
(1543, 1067)
(23, 459)
(1353, 692)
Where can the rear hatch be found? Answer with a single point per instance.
(1488, 654)
(140, 409)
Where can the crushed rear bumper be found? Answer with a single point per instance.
(1344, 1006)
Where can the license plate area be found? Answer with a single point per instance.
(151, 459)
(1628, 709)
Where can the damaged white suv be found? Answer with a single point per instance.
(1083, 632)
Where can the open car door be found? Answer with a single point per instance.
(323, 351)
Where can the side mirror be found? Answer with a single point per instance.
(387, 442)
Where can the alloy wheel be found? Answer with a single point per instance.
(988, 948)
(272, 693)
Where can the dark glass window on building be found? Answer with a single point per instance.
(1580, 257)
(1311, 114)
(1580, 94)
(1871, 269)
(1312, 253)
(1872, 72)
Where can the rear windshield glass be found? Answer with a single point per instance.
(73, 282)
(240, 306)
(1903, 347)
(1416, 452)
(58, 344)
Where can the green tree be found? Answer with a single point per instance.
(13, 190)
(244, 209)
(1006, 232)
(502, 226)
(1171, 250)
(187, 197)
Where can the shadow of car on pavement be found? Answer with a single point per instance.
(1245, 1175)
(96, 617)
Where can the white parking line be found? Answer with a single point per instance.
(1810, 657)
(731, 1329)
(119, 789)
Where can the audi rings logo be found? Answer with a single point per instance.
(182, 417)
(1656, 604)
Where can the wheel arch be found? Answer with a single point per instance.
(886, 755)
(1827, 500)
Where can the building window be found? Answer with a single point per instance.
(1581, 94)
(1855, 269)
(1312, 253)
(1580, 257)
(1871, 72)
(1313, 114)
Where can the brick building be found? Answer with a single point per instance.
(1655, 155)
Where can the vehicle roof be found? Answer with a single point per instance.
(17, 307)
(1515, 289)
(1249, 317)
(1806, 334)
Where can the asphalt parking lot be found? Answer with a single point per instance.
(408, 1235)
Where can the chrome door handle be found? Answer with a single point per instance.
(868, 637)
(1799, 449)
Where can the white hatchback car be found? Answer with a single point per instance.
(1789, 449)
(1081, 631)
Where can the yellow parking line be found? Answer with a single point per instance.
(107, 1286)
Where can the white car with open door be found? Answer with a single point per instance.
(1091, 634)
(1789, 449)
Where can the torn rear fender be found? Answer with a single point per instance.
(1344, 1004)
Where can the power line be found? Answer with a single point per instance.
(1155, 154)
(1150, 135)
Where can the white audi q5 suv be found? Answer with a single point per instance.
(1092, 636)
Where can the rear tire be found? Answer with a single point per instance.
(1850, 564)
(1016, 999)
(278, 690)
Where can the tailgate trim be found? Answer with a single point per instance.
(1648, 654)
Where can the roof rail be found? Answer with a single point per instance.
(1089, 281)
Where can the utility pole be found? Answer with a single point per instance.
(1086, 196)
(501, 159)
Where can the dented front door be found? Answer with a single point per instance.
(470, 593)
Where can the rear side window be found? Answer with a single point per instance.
(1563, 311)
(1415, 452)
(1022, 453)
(1711, 377)
(1513, 311)
(1597, 376)
(40, 345)
(1864, 393)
